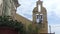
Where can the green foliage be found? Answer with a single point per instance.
(5, 22)
(32, 30)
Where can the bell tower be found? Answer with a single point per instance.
(40, 17)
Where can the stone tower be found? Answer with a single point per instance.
(40, 17)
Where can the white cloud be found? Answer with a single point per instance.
(53, 6)
(26, 8)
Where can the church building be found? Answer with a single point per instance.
(39, 16)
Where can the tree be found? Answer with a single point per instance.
(5, 22)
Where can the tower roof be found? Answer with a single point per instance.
(39, 2)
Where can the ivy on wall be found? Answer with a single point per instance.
(32, 30)
(5, 22)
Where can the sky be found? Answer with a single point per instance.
(53, 12)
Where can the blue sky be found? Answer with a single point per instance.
(53, 11)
